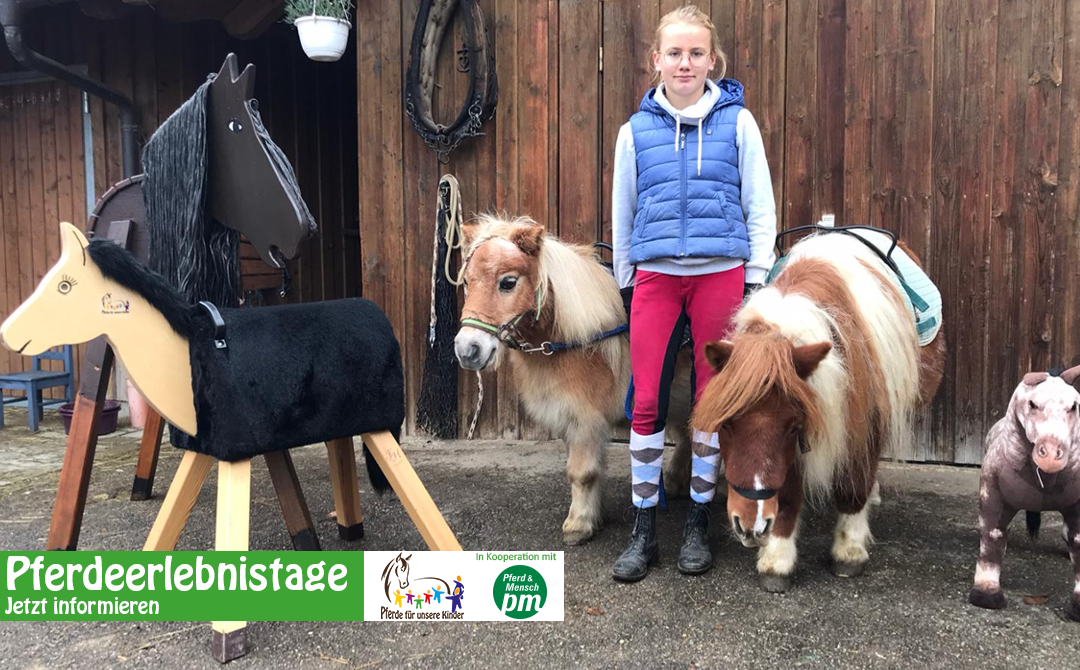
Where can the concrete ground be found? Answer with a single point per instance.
(908, 611)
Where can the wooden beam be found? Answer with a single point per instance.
(183, 492)
(233, 522)
(414, 497)
(346, 487)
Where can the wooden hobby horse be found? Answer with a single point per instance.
(261, 381)
(211, 172)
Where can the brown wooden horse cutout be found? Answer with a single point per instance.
(541, 289)
(823, 375)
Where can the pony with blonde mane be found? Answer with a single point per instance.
(525, 289)
(823, 374)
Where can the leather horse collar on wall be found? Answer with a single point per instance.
(475, 57)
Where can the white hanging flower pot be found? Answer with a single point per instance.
(323, 37)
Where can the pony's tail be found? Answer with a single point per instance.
(1034, 522)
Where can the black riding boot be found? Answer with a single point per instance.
(633, 564)
(695, 557)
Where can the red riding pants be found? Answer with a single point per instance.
(662, 307)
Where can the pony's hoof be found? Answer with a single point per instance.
(1072, 610)
(577, 537)
(774, 583)
(986, 599)
(845, 569)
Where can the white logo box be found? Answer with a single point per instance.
(468, 577)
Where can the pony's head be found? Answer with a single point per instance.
(251, 185)
(760, 404)
(67, 306)
(1047, 409)
(504, 285)
(522, 285)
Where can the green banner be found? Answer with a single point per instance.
(182, 586)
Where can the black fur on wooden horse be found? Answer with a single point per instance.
(288, 376)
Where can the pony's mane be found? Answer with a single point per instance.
(760, 364)
(586, 298)
(121, 267)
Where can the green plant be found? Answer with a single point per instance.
(338, 9)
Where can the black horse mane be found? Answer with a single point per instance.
(192, 250)
(121, 267)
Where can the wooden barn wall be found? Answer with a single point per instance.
(951, 122)
(309, 109)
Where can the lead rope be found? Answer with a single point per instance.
(453, 238)
(479, 404)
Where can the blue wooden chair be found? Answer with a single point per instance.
(33, 382)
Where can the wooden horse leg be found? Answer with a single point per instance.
(291, 497)
(418, 503)
(350, 518)
(183, 492)
(233, 520)
(81, 444)
(143, 487)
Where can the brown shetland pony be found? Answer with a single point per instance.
(555, 292)
(822, 375)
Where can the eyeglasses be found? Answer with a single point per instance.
(675, 57)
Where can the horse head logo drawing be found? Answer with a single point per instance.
(396, 569)
(396, 573)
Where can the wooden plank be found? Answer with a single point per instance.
(149, 449)
(967, 283)
(308, 117)
(117, 70)
(5, 150)
(1004, 347)
(579, 121)
(379, 118)
(722, 13)
(346, 486)
(484, 199)
(291, 498)
(232, 534)
(145, 83)
(78, 53)
(411, 491)
(1066, 337)
(74, 481)
(505, 130)
(858, 92)
(49, 231)
(10, 230)
(1041, 133)
(35, 185)
(627, 35)
(417, 218)
(801, 116)
(829, 140)
(770, 107)
(24, 199)
(168, 69)
(534, 95)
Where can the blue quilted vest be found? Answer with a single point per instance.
(681, 214)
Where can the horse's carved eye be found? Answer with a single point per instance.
(235, 126)
(507, 284)
(66, 285)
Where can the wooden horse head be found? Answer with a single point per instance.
(76, 302)
(251, 186)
